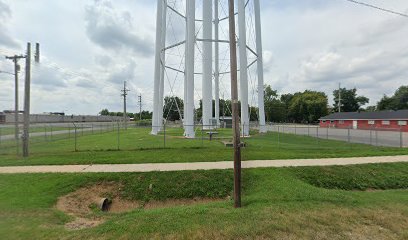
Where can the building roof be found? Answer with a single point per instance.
(383, 115)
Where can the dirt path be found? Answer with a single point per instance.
(168, 167)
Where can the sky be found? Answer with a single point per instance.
(90, 47)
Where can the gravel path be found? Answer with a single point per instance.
(168, 167)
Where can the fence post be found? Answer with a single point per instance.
(75, 128)
(51, 133)
(317, 135)
(164, 134)
(0, 138)
(45, 132)
(82, 129)
(295, 129)
(401, 140)
(308, 129)
(118, 137)
(278, 137)
(371, 137)
(348, 135)
(202, 134)
(92, 129)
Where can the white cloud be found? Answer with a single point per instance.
(90, 47)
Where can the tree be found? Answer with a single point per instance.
(173, 107)
(253, 113)
(397, 102)
(104, 112)
(350, 102)
(274, 109)
(286, 100)
(308, 106)
(371, 109)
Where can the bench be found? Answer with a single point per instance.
(211, 134)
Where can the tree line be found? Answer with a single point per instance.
(300, 107)
(146, 115)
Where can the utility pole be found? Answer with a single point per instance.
(124, 95)
(140, 106)
(27, 86)
(339, 97)
(234, 99)
(15, 59)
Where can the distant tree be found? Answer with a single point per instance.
(371, 109)
(173, 106)
(286, 100)
(225, 108)
(275, 110)
(308, 106)
(397, 102)
(253, 114)
(350, 102)
(147, 115)
(104, 112)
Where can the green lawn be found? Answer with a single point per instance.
(287, 203)
(138, 146)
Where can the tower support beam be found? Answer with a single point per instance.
(157, 69)
(189, 70)
(216, 62)
(243, 60)
(260, 69)
(207, 64)
(162, 65)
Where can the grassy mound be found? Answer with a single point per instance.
(360, 177)
(178, 185)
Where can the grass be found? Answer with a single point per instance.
(138, 146)
(363, 177)
(278, 204)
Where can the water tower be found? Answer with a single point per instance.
(193, 32)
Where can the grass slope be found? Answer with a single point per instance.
(138, 146)
(278, 204)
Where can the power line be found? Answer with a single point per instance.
(378, 8)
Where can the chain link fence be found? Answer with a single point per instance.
(112, 136)
(374, 136)
(49, 139)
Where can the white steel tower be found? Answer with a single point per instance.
(205, 29)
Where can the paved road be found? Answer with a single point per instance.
(81, 127)
(373, 137)
(168, 167)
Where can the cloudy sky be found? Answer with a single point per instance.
(89, 47)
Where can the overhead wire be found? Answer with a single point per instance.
(378, 8)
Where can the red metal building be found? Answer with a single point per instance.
(384, 120)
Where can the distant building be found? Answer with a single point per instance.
(8, 117)
(226, 122)
(384, 120)
(2, 118)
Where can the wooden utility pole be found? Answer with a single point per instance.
(234, 99)
(26, 128)
(27, 96)
(15, 59)
(124, 94)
